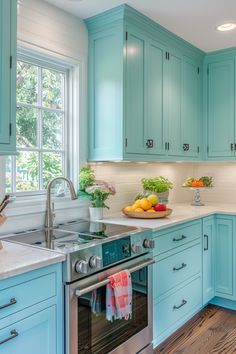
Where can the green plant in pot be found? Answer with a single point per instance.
(97, 191)
(157, 185)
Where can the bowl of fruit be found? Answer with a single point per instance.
(147, 208)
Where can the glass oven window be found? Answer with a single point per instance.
(96, 335)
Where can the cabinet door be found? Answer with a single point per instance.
(135, 90)
(35, 334)
(221, 105)
(7, 75)
(155, 97)
(224, 258)
(208, 259)
(105, 94)
(175, 90)
(191, 119)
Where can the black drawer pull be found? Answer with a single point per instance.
(207, 245)
(12, 302)
(183, 265)
(13, 335)
(179, 239)
(184, 302)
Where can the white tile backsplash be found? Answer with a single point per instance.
(127, 179)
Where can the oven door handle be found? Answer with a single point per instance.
(80, 292)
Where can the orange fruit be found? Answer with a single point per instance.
(150, 211)
(137, 203)
(139, 209)
(128, 208)
(145, 204)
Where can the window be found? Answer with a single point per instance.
(41, 127)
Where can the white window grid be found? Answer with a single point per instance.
(39, 106)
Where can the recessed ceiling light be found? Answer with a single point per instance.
(226, 27)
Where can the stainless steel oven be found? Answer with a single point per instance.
(92, 333)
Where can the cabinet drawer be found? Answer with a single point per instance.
(35, 334)
(176, 306)
(26, 294)
(179, 237)
(175, 269)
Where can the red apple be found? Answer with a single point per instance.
(160, 207)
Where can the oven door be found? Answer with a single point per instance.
(87, 329)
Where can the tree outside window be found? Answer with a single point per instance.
(40, 128)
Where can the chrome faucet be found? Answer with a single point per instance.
(49, 213)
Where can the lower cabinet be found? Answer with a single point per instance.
(224, 257)
(35, 334)
(208, 246)
(199, 270)
(177, 278)
(173, 311)
(31, 312)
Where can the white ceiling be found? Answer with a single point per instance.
(193, 20)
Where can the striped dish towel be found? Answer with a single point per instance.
(119, 296)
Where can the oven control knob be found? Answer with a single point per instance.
(137, 248)
(95, 262)
(148, 243)
(82, 267)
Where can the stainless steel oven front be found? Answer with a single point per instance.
(91, 333)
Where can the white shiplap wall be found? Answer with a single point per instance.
(48, 27)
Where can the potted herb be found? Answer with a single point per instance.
(97, 191)
(159, 186)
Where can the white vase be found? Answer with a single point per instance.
(96, 213)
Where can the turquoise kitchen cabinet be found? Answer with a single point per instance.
(191, 123)
(221, 108)
(174, 99)
(177, 277)
(33, 320)
(34, 334)
(208, 274)
(137, 89)
(173, 311)
(224, 257)
(8, 9)
(156, 92)
(145, 94)
(136, 55)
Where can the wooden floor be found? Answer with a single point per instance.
(212, 331)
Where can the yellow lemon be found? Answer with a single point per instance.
(128, 208)
(153, 199)
(150, 211)
(139, 209)
(145, 204)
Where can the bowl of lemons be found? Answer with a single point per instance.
(147, 208)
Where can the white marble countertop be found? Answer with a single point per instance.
(182, 212)
(16, 259)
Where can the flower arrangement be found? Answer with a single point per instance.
(97, 191)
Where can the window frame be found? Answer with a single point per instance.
(71, 69)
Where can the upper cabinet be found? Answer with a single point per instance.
(220, 107)
(144, 90)
(8, 10)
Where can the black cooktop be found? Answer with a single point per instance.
(71, 235)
